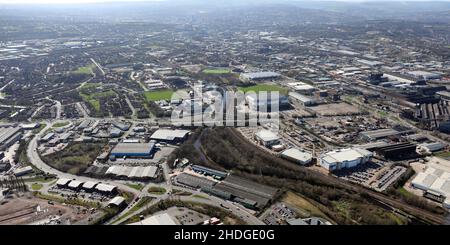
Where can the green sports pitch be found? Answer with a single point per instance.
(216, 71)
(158, 95)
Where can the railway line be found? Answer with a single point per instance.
(411, 211)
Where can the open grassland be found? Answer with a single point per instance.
(75, 158)
(303, 205)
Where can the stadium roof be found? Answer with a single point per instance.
(260, 75)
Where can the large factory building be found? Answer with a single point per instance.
(133, 150)
(8, 136)
(344, 158)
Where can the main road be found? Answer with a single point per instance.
(35, 159)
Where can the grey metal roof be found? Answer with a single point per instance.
(6, 133)
(130, 148)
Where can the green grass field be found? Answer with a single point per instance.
(94, 102)
(85, 69)
(216, 71)
(36, 186)
(443, 154)
(61, 124)
(156, 190)
(94, 98)
(138, 187)
(165, 94)
(264, 87)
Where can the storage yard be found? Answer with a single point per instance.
(28, 210)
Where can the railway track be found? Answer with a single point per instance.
(411, 211)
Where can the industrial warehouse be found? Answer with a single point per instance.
(267, 138)
(170, 136)
(297, 156)
(132, 150)
(435, 182)
(135, 173)
(90, 187)
(397, 151)
(344, 158)
(248, 193)
(304, 112)
(9, 135)
(138, 173)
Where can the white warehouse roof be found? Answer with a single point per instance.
(297, 155)
(133, 172)
(117, 201)
(75, 184)
(169, 134)
(436, 178)
(63, 181)
(260, 75)
(345, 155)
(89, 185)
(160, 219)
(105, 187)
(267, 136)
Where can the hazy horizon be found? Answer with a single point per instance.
(118, 1)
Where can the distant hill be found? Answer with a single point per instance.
(279, 11)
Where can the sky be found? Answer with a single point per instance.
(97, 1)
(67, 1)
